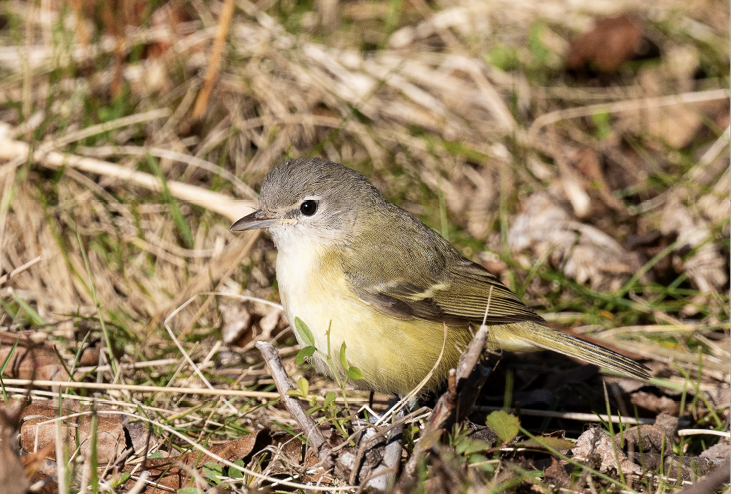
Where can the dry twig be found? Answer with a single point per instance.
(283, 383)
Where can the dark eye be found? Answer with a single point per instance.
(308, 208)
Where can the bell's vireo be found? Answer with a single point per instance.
(386, 284)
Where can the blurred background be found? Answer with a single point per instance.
(578, 150)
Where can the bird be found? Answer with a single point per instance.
(362, 272)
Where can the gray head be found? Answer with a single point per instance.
(311, 198)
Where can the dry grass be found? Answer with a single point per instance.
(603, 201)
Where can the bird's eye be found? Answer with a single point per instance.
(309, 207)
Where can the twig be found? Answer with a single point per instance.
(709, 483)
(140, 484)
(212, 71)
(455, 405)
(213, 201)
(283, 383)
(265, 395)
(80, 371)
(699, 432)
(6, 277)
(392, 451)
(622, 106)
(385, 474)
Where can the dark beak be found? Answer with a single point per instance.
(254, 221)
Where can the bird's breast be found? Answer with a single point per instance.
(394, 355)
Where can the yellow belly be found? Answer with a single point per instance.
(394, 355)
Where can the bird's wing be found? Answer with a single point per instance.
(426, 278)
(462, 296)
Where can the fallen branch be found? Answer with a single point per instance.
(293, 405)
(710, 482)
(224, 205)
(385, 474)
(6, 277)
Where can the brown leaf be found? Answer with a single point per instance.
(596, 447)
(613, 41)
(720, 451)
(31, 360)
(35, 435)
(674, 125)
(12, 478)
(656, 404)
(647, 439)
(245, 322)
(173, 472)
(558, 473)
(288, 453)
(582, 251)
(237, 322)
(707, 267)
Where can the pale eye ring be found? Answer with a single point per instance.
(309, 207)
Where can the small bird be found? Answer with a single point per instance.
(386, 285)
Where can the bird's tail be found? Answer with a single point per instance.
(536, 335)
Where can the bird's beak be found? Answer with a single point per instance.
(254, 221)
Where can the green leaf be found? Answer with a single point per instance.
(504, 424)
(546, 442)
(234, 473)
(304, 353)
(478, 459)
(156, 454)
(303, 386)
(354, 373)
(304, 331)
(344, 362)
(329, 398)
(122, 479)
(213, 471)
(190, 490)
(469, 447)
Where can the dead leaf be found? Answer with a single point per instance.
(31, 360)
(707, 267)
(174, 472)
(583, 252)
(612, 42)
(36, 434)
(245, 322)
(12, 478)
(646, 439)
(657, 404)
(674, 125)
(594, 445)
(237, 321)
(558, 472)
(720, 451)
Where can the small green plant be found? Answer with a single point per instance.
(505, 425)
(472, 451)
(340, 418)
